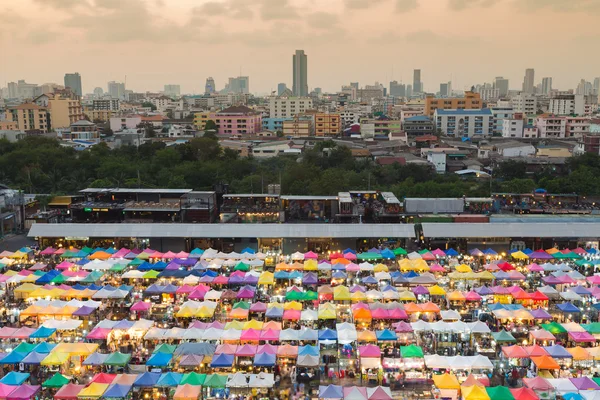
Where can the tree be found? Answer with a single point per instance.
(279, 133)
(148, 104)
(211, 126)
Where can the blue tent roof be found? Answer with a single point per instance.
(308, 350)
(276, 312)
(490, 252)
(169, 379)
(327, 334)
(34, 358)
(592, 251)
(210, 272)
(386, 334)
(248, 250)
(14, 378)
(264, 360)
(330, 392)
(197, 251)
(159, 359)
(528, 251)
(568, 307)
(147, 379)
(387, 253)
(14, 357)
(79, 286)
(44, 347)
(349, 251)
(174, 273)
(43, 332)
(369, 280)
(145, 266)
(572, 396)
(451, 253)
(411, 274)
(281, 275)
(95, 359)
(558, 351)
(295, 274)
(222, 360)
(94, 287)
(47, 277)
(339, 275)
(117, 391)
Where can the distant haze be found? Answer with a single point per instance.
(157, 42)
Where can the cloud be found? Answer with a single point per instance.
(362, 4)
(459, 5)
(560, 5)
(212, 8)
(322, 20)
(406, 5)
(237, 9)
(277, 10)
(62, 4)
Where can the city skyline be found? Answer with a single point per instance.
(266, 32)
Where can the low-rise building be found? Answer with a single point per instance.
(288, 107)
(200, 119)
(80, 130)
(418, 125)
(465, 123)
(273, 149)
(470, 101)
(125, 122)
(237, 120)
(273, 124)
(379, 127)
(298, 127)
(577, 127)
(99, 115)
(327, 124)
(530, 132)
(30, 117)
(514, 149)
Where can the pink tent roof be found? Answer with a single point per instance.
(24, 392)
(182, 254)
(437, 268)
(402, 327)
(492, 267)
(379, 394)
(5, 390)
(226, 349)
(350, 256)
(594, 279)
(369, 350)
(380, 313)
(25, 272)
(169, 254)
(398, 313)
(98, 333)
(291, 315)
(428, 256)
(438, 252)
(64, 265)
(246, 351)
(582, 337)
(60, 251)
(198, 294)
(7, 332)
(48, 251)
(23, 333)
(250, 334)
(538, 383)
(221, 280)
(120, 253)
(68, 392)
(258, 307)
(533, 267)
(352, 267)
(566, 279)
(266, 348)
(287, 350)
(141, 306)
(269, 334)
(500, 290)
(184, 289)
(311, 254)
(472, 296)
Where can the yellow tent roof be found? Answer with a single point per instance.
(311, 265)
(341, 293)
(437, 291)
(234, 325)
(266, 278)
(18, 254)
(366, 336)
(446, 381)
(253, 324)
(39, 292)
(327, 311)
(519, 255)
(463, 268)
(475, 393)
(406, 295)
(185, 312)
(380, 268)
(10, 272)
(75, 349)
(282, 266)
(358, 296)
(32, 310)
(205, 312)
(26, 287)
(95, 390)
(55, 358)
(487, 275)
(292, 305)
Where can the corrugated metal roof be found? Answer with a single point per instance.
(514, 230)
(224, 230)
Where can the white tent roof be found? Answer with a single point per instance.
(262, 380)
(308, 361)
(436, 361)
(212, 334)
(232, 334)
(155, 333)
(563, 385)
(309, 315)
(237, 380)
(450, 315)
(478, 327)
(289, 334)
(62, 325)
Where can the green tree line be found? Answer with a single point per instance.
(42, 165)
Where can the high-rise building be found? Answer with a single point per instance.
(300, 78)
(597, 86)
(172, 90)
(116, 90)
(417, 85)
(546, 85)
(502, 85)
(409, 91)
(584, 88)
(12, 90)
(444, 90)
(281, 87)
(241, 84)
(73, 81)
(354, 85)
(397, 89)
(209, 87)
(529, 81)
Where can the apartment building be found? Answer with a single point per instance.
(237, 120)
(30, 117)
(288, 107)
(106, 104)
(470, 101)
(465, 123)
(524, 103)
(551, 126)
(298, 127)
(327, 124)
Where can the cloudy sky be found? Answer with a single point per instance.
(157, 42)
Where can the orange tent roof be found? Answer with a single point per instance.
(430, 307)
(341, 261)
(366, 336)
(545, 362)
(579, 353)
(412, 308)
(362, 313)
(514, 352)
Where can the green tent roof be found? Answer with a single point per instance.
(196, 379)
(214, 381)
(152, 274)
(411, 351)
(310, 295)
(499, 393)
(93, 277)
(369, 256)
(554, 328)
(241, 267)
(242, 304)
(294, 295)
(117, 358)
(165, 348)
(136, 261)
(592, 328)
(24, 347)
(56, 381)
(118, 267)
(503, 336)
(400, 251)
(597, 380)
(87, 250)
(59, 279)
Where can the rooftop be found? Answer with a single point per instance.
(483, 111)
(418, 118)
(237, 110)
(134, 190)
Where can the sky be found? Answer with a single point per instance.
(158, 42)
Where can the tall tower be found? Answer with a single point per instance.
(546, 85)
(529, 80)
(300, 85)
(417, 85)
(209, 87)
(73, 81)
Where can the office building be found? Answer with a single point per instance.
(465, 123)
(172, 90)
(397, 89)
(73, 81)
(371, 92)
(209, 86)
(444, 90)
(501, 84)
(116, 90)
(585, 88)
(524, 103)
(470, 101)
(409, 91)
(417, 85)
(596, 87)
(241, 85)
(418, 125)
(546, 86)
(300, 74)
(288, 107)
(98, 92)
(529, 81)
(281, 88)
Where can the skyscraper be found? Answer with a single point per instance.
(409, 91)
(417, 86)
(241, 84)
(444, 90)
(116, 90)
(209, 87)
(546, 85)
(281, 88)
(502, 85)
(300, 85)
(529, 81)
(597, 86)
(172, 90)
(73, 81)
(397, 89)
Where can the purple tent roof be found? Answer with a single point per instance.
(551, 280)
(251, 279)
(236, 279)
(584, 383)
(245, 294)
(84, 311)
(185, 261)
(484, 291)
(540, 313)
(310, 279)
(540, 255)
(357, 288)
(420, 290)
